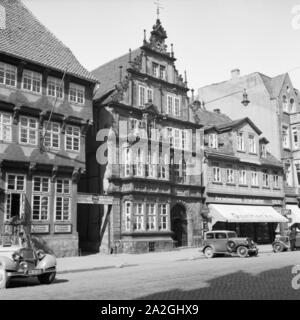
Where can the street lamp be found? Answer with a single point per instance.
(244, 101)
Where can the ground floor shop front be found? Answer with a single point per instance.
(261, 223)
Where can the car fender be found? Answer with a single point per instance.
(285, 245)
(8, 263)
(48, 261)
(208, 245)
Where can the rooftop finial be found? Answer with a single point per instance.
(158, 6)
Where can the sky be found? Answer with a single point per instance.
(210, 37)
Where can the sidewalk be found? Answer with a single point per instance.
(105, 261)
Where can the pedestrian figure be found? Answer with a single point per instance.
(292, 237)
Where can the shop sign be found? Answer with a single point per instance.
(86, 198)
(62, 228)
(40, 228)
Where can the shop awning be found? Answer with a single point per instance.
(244, 213)
(294, 217)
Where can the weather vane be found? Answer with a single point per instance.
(158, 6)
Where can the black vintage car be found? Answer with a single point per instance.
(282, 243)
(224, 242)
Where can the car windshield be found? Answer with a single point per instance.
(232, 235)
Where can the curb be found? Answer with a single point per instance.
(96, 268)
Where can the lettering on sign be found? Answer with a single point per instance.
(62, 228)
(40, 228)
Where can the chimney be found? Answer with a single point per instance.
(235, 73)
(218, 111)
(2, 18)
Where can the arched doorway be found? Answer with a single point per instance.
(179, 225)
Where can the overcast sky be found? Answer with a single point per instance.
(211, 37)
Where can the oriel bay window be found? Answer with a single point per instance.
(138, 163)
(32, 81)
(254, 177)
(40, 198)
(295, 137)
(151, 216)
(127, 210)
(150, 166)
(242, 176)
(229, 175)
(28, 133)
(265, 178)
(5, 127)
(52, 135)
(72, 138)
(285, 137)
(275, 180)
(8, 74)
(138, 216)
(216, 172)
(163, 217)
(63, 200)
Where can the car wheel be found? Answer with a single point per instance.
(242, 251)
(209, 252)
(47, 278)
(278, 247)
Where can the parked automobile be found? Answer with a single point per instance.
(25, 261)
(224, 242)
(282, 243)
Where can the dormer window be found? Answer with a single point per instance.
(213, 141)
(263, 150)
(252, 144)
(240, 141)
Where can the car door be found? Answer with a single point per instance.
(221, 241)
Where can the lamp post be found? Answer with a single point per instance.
(245, 101)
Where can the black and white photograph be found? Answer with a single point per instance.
(149, 153)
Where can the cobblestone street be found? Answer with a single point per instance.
(268, 276)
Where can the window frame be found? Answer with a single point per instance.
(63, 195)
(4, 126)
(58, 84)
(41, 194)
(28, 129)
(7, 68)
(33, 76)
(68, 135)
(77, 89)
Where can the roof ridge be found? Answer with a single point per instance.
(115, 59)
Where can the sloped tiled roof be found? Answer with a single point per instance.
(25, 37)
(237, 123)
(109, 73)
(210, 119)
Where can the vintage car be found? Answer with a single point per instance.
(25, 261)
(224, 242)
(282, 243)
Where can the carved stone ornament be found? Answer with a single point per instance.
(16, 114)
(76, 174)
(136, 64)
(121, 88)
(54, 173)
